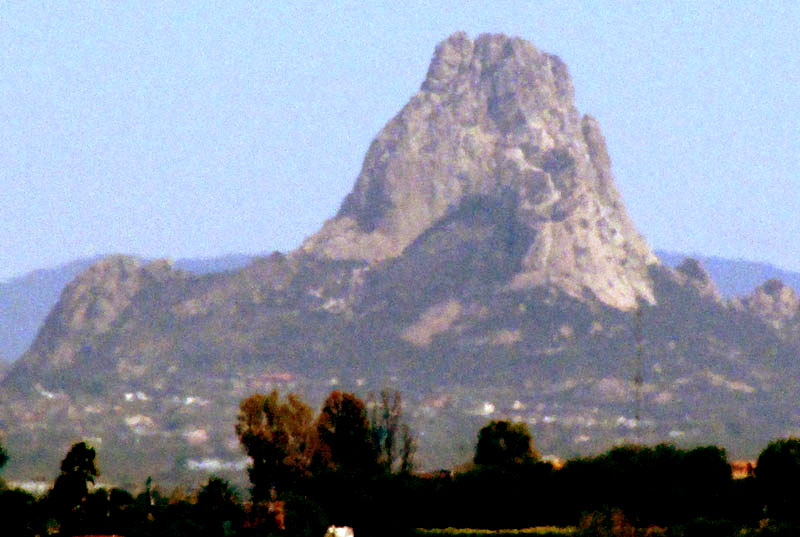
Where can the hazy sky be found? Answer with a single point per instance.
(240, 126)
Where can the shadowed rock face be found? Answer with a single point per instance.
(776, 304)
(89, 307)
(494, 116)
(692, 272)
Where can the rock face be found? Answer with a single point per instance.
(691, 272)
(495, 117)
(88, 309)
(776, 304)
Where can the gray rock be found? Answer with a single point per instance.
(496, 116)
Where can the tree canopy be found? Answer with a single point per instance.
(661, 483)
(277, 435)
(778, 474)
(503, 443)
(3, 457)
(288, 445)
(394, 443)
(219, 506)
(344, 433)
(68, 498)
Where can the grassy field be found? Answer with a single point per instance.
(542, 531)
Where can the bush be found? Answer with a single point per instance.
(606, 523)
(705, 527)
(19, 514)
(304, 518)
(777, 474)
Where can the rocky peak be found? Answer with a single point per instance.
(775, 303)
(692, 272)
(693, 269)
(94, 299)
(90, 304)
(503, 64)
(494, 117)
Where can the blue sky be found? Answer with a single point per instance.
(195, 129)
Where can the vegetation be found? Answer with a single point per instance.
(277, 436)
(3, 457)
(387, 428)
(539, 531)
(778, 473)
(502, 443)
(344, 439)
(350, 465)
(69, 502)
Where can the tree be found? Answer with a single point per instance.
(71, 489)
(388, 429)
(278, 435)
(3, 457)
(777, 475)
(219, 508)
(661, 485)
(20, 514)
(80, 464)
(3, 461)
(121, 510)
(503, 443)
(706, 479)
(344, 434)
(407, 449)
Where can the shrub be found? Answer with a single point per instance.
(606, 523)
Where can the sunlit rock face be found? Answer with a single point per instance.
(495, 118)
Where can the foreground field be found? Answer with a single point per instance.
(541, 531)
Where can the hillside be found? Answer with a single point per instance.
(735, 277)
(26, 300)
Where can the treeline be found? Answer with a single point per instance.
(352, 465)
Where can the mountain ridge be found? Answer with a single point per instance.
(26, 300)
(734, 277)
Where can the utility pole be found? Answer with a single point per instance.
(638, 376)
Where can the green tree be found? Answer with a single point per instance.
(219, 508)
(3, 461)
(121, 510)
(68, 497)
(407, 449)
(278, 435)
(705, 476)
(3, 457)
(661, 485)
(777, 475)
(393, 441)
(503, 443)
(19, 512)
